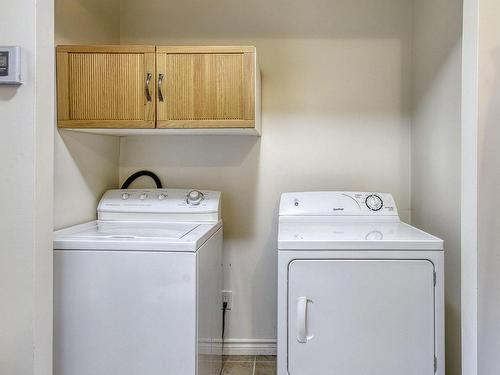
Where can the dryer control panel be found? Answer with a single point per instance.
(337, 203)
(160, 204)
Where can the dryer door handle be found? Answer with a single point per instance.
(302, 320)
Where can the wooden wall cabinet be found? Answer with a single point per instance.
(197, 90)
(106, 86)
(206, 87)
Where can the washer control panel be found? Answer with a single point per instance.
(337, 203)
(130, 202)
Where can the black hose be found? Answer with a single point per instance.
(136, 175)
(224, 310)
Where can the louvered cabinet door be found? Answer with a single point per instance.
(206, 87)
(106, 86)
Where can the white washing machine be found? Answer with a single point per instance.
(359, 291)
(139, 290)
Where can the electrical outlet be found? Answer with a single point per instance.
(227, 296)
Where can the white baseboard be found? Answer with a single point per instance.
(249, 347)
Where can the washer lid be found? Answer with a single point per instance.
(354, 235)
(134, 236)
(117, 229)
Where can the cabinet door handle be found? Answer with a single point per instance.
(148, 92)
(302, 320)
(160, 83)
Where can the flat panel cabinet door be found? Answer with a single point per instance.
(361, 317)
(106, 86)
(206, 87)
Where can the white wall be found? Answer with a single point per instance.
(87, 21)
(335, 89)
(436, 145)
(85, 165)
(26, 151)
(489, 188)
(469, 187)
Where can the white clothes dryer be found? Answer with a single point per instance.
(359, 291)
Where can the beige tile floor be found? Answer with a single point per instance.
(249, 365)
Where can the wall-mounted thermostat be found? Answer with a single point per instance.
(10, 66)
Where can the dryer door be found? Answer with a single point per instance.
(361, 317)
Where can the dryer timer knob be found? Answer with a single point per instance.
(195, 197)
(374, 202)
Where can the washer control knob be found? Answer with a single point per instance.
(374, 202)
(194, 197)
(162, 196)
(143, 196)
(125, 196)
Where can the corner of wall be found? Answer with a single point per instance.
(85, 165)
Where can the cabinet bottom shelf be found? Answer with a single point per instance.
(165, 131)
